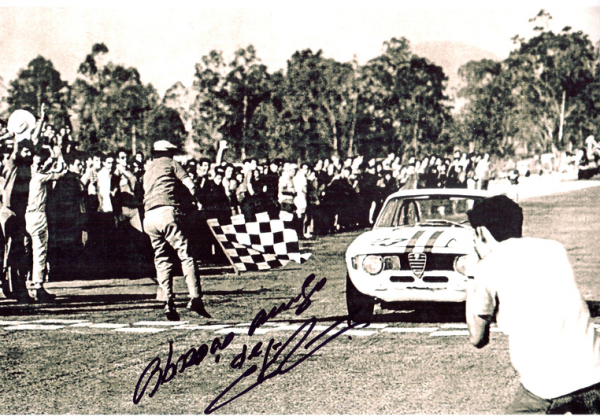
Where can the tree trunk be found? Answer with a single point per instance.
(95, 119)
(352, 127)
(562, 118)
(244, 127)
(133, 141)
(333, 129)
(415, 132)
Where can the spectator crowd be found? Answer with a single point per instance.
(83, 211)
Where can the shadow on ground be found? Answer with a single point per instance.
(421, 313)
(429, 312)
(81, 304)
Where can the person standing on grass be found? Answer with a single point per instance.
(528, 285)
(22, 125)
(36, 222)
(163, 223)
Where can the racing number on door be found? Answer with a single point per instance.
(388, 241)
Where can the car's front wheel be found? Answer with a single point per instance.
(360, 306)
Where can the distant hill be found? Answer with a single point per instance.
(450, 56)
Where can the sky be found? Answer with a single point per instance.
(164, 40)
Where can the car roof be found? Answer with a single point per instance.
(463, 192)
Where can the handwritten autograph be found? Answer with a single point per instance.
(195, 356)
(281, 368)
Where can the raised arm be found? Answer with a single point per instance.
(222, 147)
(38, 127)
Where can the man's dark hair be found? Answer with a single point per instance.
(500, 215)
(123, 150)
(108, 155)
(72, 157)
(202, 160)
(44, 154)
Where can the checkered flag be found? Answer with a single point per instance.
(261, 245)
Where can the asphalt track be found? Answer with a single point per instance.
(85, 353)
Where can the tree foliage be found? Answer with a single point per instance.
(538, 99)
(544, 96)
(40, 83)
(110, 102)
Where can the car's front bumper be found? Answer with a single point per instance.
(381, 286)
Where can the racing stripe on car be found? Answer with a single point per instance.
(413, 241)
(431, 241)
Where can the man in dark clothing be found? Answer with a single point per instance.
(162, 223)
(69, 213)
(340, 198)
(202, 182)
(368, 190)
(217, 203)
(202, 240)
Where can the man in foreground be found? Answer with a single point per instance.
(163, 180)
(528, 285)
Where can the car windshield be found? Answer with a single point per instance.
(427, 210)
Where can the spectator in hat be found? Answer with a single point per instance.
(22, 125)
(162, 223)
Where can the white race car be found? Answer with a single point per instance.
(421, 249)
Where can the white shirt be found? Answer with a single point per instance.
(104, 181)
(300, 184)
(38, 190)
(553, 343)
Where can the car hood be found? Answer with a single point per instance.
(413, 239)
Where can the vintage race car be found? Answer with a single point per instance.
(421, 249)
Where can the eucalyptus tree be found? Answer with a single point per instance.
(554, 72)
(489, 115)
(402, 101)
(246, 86)
(538, 99)
(110, 102)
(40, 83)
(209, 110)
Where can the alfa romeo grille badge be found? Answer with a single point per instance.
(417, 262)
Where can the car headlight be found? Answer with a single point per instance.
(373, 264)
(464, 265)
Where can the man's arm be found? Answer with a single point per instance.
(38, 127)
(479, 330)
(185, 179)
(481, 306)
(222, 147)
(86, 177)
